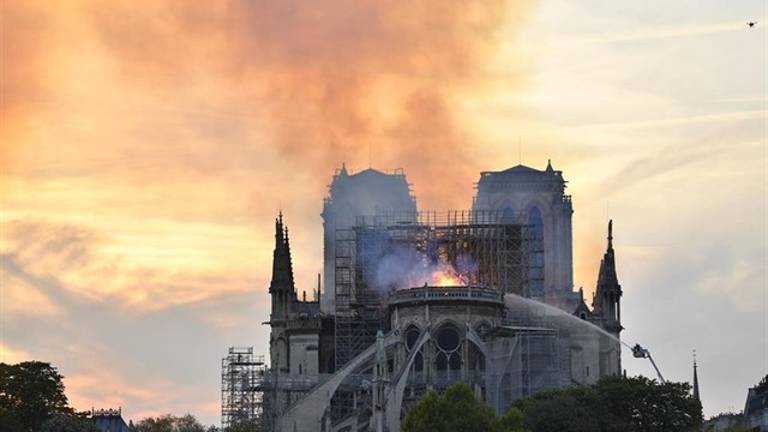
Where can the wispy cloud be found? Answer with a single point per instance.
(649, 34)
(138, 275)
(721, 117)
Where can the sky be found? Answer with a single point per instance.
(145, 148)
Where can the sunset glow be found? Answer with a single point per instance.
(146, 148)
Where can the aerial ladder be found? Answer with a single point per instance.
(640, 352)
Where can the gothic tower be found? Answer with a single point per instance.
(606, 308)
(283, 295)
(524, 195)
(606, 302)
(354, 196)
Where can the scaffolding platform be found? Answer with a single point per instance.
(242, 377)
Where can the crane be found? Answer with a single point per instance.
(640, 352)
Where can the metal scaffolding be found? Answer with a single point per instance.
(500, 251)
(242, 377)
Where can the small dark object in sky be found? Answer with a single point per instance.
(752, 23)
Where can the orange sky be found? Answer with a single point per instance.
(146, 146)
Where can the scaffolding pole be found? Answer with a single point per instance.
(242, 376)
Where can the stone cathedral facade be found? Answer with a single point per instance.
(502, 316)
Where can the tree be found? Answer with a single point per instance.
(567, 410)
(456, 410)
(30, 393)
(641, 404)
(168, 423)
(762, 386)
(614, 404)
(68, 423)
(511, 421)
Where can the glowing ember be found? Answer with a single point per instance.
(447, 276)
(442, 274)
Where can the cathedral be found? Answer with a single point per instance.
(414, 300)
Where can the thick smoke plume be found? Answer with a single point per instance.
(322, 83)
(378, 78)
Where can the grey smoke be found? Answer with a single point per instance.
(406, 267)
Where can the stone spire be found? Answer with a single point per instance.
(610, 235)
(281, 288)
(695, 379)
(607, 274)
(606, 300)
(288, 263)
(282, 269)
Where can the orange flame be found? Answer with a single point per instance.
(447, 276)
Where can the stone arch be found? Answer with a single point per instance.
(547, 217)
(508, 215)
(508, 207)
(410, 336)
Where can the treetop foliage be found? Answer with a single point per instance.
(615, 404)
(30, 393)
(168, 423)
(456, 410)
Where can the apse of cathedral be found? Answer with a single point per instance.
(411, 301)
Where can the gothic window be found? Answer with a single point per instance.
(508, 215)
(441, 361)
(448, 338)
(411, 336)
(448, 345)
(454, 361)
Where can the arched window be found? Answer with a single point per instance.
(536, 257)
(448, 338)
(448, 349)
(508, 215)
(411, 336)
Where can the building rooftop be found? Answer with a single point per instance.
(522, 172)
